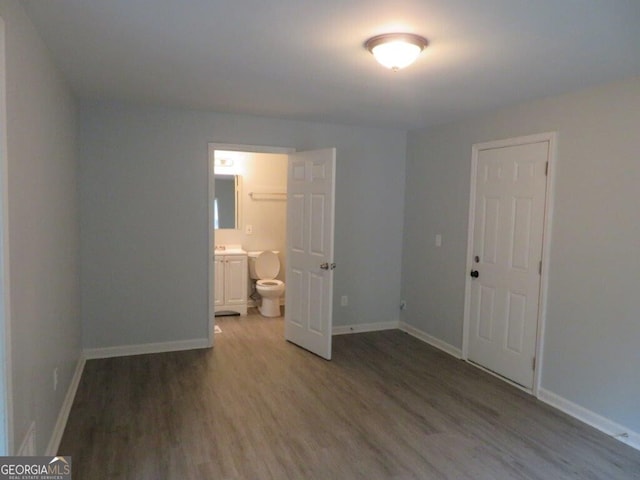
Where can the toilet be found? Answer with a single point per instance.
(263, 268)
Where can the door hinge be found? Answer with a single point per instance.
(546, 169)
(540, 268)
(533, 363)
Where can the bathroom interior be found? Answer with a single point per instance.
(249, 248)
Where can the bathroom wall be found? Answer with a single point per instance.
(260, 172)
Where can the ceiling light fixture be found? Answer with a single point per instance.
(222, 162)
(396, 50)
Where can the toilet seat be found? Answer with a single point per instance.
(270, 284)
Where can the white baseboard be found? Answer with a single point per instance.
(28, 445)
(63, 416)
(431, 340)
(365, 327)
(617, 431)
(126, 350)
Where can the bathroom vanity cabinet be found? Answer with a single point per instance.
(230, 282)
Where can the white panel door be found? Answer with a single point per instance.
(310, 212)
(510, 193)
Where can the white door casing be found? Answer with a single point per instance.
(506, 237)
(310, 219)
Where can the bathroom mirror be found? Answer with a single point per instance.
(226, 204)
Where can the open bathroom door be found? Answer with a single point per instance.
(310, 212)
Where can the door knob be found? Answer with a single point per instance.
(328, 266)
(475, 273)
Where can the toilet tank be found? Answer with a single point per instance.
(264, 264)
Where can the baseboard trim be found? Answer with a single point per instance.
(365, 327)
(611, 428)
(145, 348)
(431, 340)
(65, 409)
(28, 445)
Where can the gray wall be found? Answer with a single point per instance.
(591, 354)
(43, 229)
(144, 260)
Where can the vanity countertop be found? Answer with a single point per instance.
(229, 250)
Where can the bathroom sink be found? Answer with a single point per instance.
(229, 250)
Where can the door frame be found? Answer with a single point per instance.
(551, 138)
(211, 148)
(6, 385)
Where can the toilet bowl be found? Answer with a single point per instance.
(264, 266)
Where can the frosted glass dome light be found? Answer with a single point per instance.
(396, 50)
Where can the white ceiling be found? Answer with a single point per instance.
(304, 59)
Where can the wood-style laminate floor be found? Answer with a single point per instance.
(386, 407)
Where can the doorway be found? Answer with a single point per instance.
(6, 425)
(507, 254)
(308, 213)
(247, 205)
